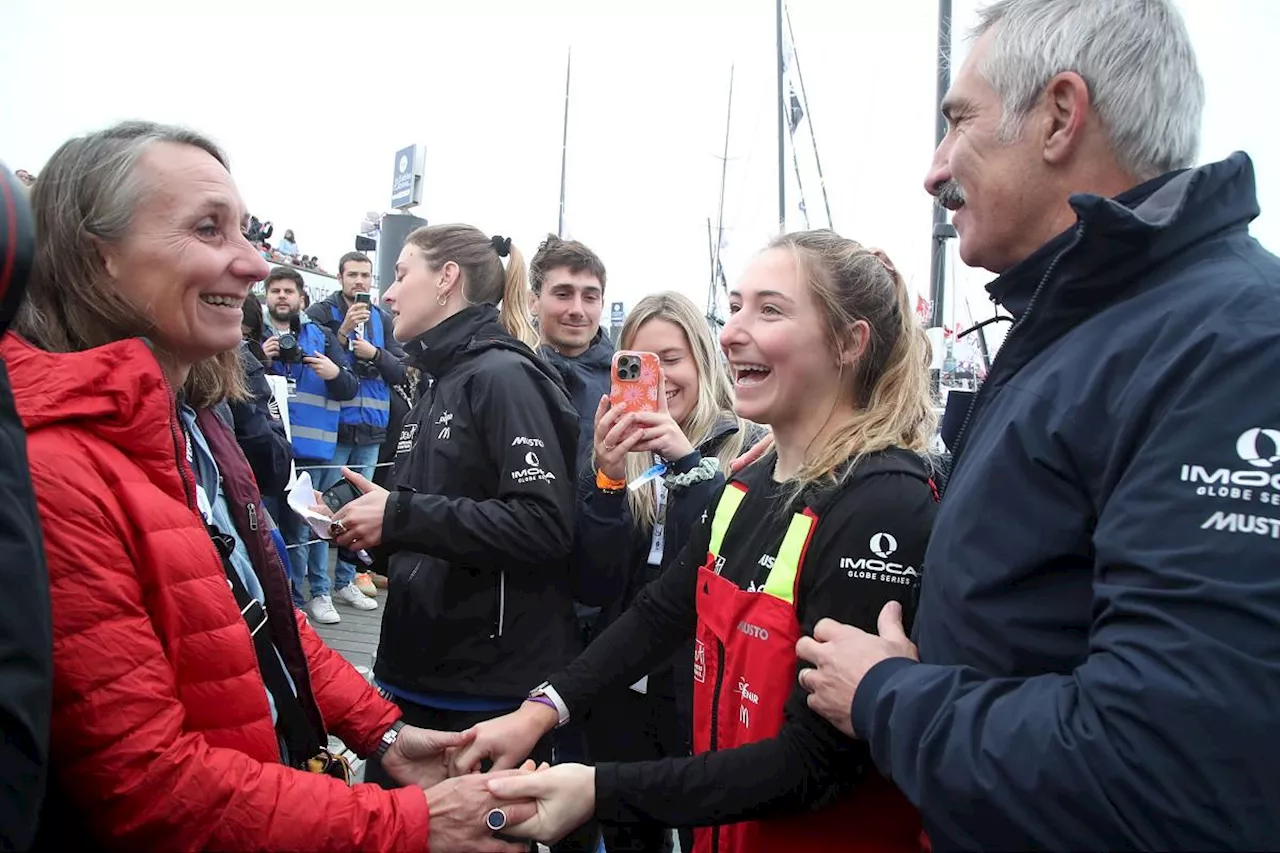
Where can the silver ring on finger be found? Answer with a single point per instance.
(495, 820)
(804, 682)
(609, 447)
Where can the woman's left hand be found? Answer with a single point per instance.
(660, 433)
(361, 520)
(565, 795)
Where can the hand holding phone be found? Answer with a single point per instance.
(339, 495)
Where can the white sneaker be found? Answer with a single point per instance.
(320, 609)
(351, 594)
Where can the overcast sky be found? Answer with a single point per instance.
(312, 100)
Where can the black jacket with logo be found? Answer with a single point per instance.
(866, 550)
(611, 554)
(480, 526)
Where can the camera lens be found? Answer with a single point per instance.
(288, 346)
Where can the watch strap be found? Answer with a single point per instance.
(545, 691)
(389, 738)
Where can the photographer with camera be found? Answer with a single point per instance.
(309, 358)
(364, 332)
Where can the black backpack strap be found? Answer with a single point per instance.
(299, 737)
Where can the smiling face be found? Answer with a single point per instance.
(679, 368)
(999, 190)
(185, 263)
(778, 346)
(568, 310)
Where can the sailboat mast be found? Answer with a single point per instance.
(813, 136)
(781, 110)
(724, 171)
(564, 140)
(942, 229)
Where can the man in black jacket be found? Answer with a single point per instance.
(1099, 625)
(26, 634)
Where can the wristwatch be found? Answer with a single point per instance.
(545, 694)
(389, 738)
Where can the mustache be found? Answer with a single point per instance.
(949, 194)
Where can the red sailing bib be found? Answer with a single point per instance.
(744, 669)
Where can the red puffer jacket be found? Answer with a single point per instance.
(161, 735)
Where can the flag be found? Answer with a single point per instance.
(797, 111)
(922, 309)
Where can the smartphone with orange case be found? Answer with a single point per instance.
(636, 376)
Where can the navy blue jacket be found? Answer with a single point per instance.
(1100, 607)
(26, 629)
(587, 378)
(259, 428)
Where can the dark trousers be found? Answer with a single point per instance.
(628, 726)
(583, 840)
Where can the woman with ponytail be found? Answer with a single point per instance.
(478, 523)
(832, 522)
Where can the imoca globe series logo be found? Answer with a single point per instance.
(1259, 447)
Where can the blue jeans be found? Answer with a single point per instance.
(312, 561)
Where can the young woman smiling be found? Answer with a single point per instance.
(832, 524)
(627, 538)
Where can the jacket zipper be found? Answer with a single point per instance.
(715, 726)
(188, 489)
(1018, 324)
(502, 602)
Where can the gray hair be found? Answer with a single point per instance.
(1134, 55)
(86, 196)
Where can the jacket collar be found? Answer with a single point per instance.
(1116, 239)
(597, 356)
(438, 349)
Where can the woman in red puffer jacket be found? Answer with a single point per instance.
(173, 727)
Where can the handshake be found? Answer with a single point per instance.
(492, 811)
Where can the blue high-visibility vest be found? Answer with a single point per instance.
(313, 417)
(372, 405)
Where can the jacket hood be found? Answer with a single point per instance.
(1116, 240)
(117, 392)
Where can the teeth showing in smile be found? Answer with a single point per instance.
(222, 301)
(750, 374)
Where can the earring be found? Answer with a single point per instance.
(442, 300)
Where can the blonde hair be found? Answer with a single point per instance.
(483, 277)
(715, 393)
(87, 194)
(890, 382)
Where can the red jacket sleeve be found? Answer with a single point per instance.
(352, 709)
(119, 747)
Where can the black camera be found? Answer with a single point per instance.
(366, 369)
(289, 351)
(17, 244)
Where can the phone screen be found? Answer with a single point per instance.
(366, 298)
(339, 495)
